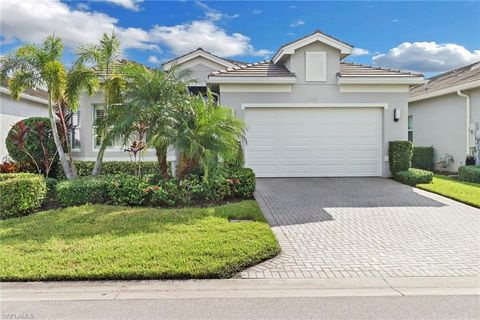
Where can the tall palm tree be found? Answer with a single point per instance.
(40, 66)
(104, 57)
(152, 102)
(208, 133)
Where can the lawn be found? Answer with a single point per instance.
(113, 242)
(465, 192)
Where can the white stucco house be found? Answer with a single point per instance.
(308, 113)
(32, 103)
(445, 113)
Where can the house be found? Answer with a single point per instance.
(445, 113)
(32, 103)
(308, 113)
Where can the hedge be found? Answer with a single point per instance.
(400, 155)
(84, 168)
(82, 190)
(412, 176)
(423, 158)
(21, 193)
(152, 190)
(469, 173)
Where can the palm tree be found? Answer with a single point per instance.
(152, 105)
(208, 133)
(104, 57)
(40, 66)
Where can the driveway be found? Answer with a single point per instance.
(365, 227)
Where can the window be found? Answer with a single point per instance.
(315, 66)
(410, 128)
(98, 113)
(75, 133)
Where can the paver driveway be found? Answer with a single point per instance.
(365, 227)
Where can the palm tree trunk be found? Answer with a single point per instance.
(185, 166)
(162, 161)
(67, 143)
(98, 162)
(69, 173)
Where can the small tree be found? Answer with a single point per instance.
(208, 133)
(104, 58)
(31, 140)
(40, 66)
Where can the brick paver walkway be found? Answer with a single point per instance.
(365, 227)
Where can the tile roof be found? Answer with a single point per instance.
(449, 79)
(201, 49)
(353, 69)
(37, 92)
(257, 69)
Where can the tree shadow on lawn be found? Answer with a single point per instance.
(92, 220)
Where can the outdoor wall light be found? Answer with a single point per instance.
(396, 115)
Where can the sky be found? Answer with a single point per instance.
(423, 36)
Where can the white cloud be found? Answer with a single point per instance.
(213, 14)
(299, 22)
(154, 60)
(360, 52)
(189, 36)
(394, 20)
(83, 6)
(127, 4)
(33, 21)
(427, 56)
(256, 11)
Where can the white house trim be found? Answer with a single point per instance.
(195, 54)
(345, 49)
(315, 105)
(380, 80)
(374, 88)
(452, 89)
(255, 88)
(252, 80)
(25, 96)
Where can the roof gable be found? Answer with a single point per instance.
(227, 63)
(289, 48)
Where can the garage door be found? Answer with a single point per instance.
(314, 142)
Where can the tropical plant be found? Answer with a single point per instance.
(208, 133)
(153, 102)
(40, 66)
(104, 57)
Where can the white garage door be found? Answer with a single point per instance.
(314, 142)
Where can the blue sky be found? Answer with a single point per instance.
(429, 37)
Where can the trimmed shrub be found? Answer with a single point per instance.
(21, 193)
(84, 168)
(422, 158)
(469, 173)
(82, 190)
(412, 176)
(400, 155)
(127, 190)
(32, 142)
(242, 182)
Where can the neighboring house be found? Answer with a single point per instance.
(32, 103)
(308, 114)
(445, 113)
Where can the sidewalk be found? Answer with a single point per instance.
(238, 288)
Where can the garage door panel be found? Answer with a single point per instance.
(314, 142)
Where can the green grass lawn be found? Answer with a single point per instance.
(465, 192)
(112, 242)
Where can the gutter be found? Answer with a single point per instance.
(25, 96)
(467, 110)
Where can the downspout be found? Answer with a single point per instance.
(467, 110)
